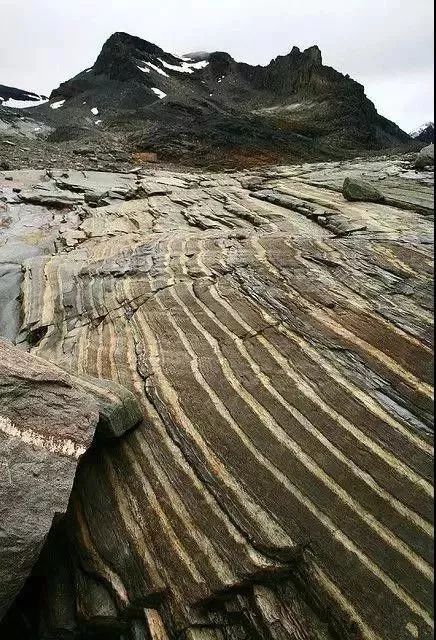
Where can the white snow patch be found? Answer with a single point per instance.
(94, 111)
(143, 69)
(158, 69)
(21, 104)
(201, 64)
(160, 94)
(84, 102)
(98, 121)
(185, 67)
(88, 70)
(57, 105)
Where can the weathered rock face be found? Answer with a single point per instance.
(46, 425)
(278, 339)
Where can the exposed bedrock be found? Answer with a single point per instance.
(276, 482)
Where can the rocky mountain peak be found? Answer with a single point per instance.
(126, 44)
(311, 54)
(203, 103)
(425, 133)
(118, 52)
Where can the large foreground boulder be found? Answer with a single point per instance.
(47, 422)
(45, 427)
(425, 157)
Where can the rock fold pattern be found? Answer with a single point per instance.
(278, 340)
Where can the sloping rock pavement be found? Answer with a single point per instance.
(279, 342)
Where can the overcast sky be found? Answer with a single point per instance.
(387, 45)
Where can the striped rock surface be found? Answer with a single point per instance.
(279, 342)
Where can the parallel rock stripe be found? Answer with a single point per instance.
(390, 583)
(285, 404)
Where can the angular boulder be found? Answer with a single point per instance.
(425, 157)
(357, 190)
(45, 427)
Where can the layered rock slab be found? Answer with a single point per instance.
(280, 349)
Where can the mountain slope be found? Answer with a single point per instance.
(295, 107)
